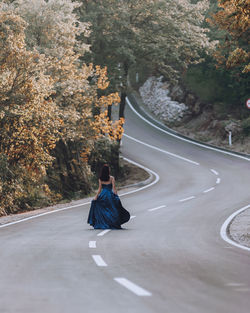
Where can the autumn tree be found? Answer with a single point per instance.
(166, 35)
(29, 119)
(233, 18)
(48, 97)
(53, 29)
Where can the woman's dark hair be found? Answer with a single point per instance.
(104, 174)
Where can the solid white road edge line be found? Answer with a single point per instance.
(186, 199)
(161, 150)
(157, 178)
(208, 190)
(102, 233)
(139, 291)
(92, 244)
(224, 227)
(43, 214)
(184, 139)
(157, 208)
(99, 260)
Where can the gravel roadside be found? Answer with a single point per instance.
(239, 228)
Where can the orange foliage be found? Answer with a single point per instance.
(234, 18)
(28, 118)
(44, 99)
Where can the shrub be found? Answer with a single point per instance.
(19, 192)
(219, 86)
(69, 173)
(246, 126)
(105, 151)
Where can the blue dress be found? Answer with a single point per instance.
(107, 211)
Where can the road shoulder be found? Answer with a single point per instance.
(239, 228)
(135, 178)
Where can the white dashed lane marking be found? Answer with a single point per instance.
(208, 190)
(139, 291)
(157, 208)
(92, 244)
(218, 181)
(99, 260)
(235, 285)
(102, 233)
(214, 171)
(242, 289)
(186, 199)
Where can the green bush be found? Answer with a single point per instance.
(246, 126)
(219, 86)
(69, 174)
(18, 191)
(105, 151)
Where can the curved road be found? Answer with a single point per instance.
(170, 256)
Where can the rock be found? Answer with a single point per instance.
(234, 127)
(177, 93)
(216, 128)
(155, 94)
(190, 100)
(197, 107)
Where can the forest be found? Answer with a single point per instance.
(64, 65)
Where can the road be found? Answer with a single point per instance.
(170, 258)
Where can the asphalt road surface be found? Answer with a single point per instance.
(169, 258)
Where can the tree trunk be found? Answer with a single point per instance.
(68, 173)
(110, 112)
(124, 90)
(122, 104)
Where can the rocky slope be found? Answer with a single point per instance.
(185, 113)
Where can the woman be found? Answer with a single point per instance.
(106, 210)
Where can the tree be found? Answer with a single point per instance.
(29, 119)
(166, 35)
(47, 101)
(53, 30)
(233, 18)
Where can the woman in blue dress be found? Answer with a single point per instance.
(106, 211)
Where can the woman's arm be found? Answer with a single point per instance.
(113, 185)
(99, 190)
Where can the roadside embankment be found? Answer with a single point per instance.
(183, 112)
(237, 229)
(134, 177)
